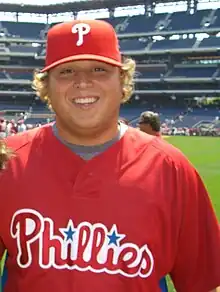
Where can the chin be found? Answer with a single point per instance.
(87, 125)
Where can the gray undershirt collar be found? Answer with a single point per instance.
(88, 152)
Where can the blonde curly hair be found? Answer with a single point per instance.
(5, 154)
(40, 81)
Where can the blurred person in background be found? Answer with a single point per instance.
(21, 126)
(149, 122)
(2, 128)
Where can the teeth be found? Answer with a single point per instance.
(85, 100)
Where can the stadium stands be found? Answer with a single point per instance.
(18, 75)
(2, 75)
(191, 72)
(175, 63)
(23, 49)
(137, 44)
(184, 21)
(177, 21)
(132, 45)
(23, 29)
(211, 41)
(173, 44)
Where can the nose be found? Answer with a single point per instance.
(82, 80)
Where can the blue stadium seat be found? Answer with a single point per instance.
(173, 44)
(212, 41)
(119, 23)
(21, 75)
(136, 24)
(24, 49)
(23, 29)
(191, 120)
(2, 49)
(143, 23)
(216, 22)
(205, 112)
(150, 72)
(131, 113)
(134, 44)
(182, 20)
(2, 75)
(8, 106)
(35, 121)
(193, 72)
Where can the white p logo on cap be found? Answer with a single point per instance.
(82, 29)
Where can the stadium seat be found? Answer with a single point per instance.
(193, 72)
(151, 72)
(212, 41)
(173, 44)
(134, 44)
(136, 24)
(182, 20)
(23, 29)
(20, 75)
(23, 49)
(216, 22)
(2, 75)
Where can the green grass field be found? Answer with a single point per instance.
(204, 153)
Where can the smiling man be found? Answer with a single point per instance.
(90, 204)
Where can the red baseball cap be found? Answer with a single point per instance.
(82, 40)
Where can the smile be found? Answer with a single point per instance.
(85, 101)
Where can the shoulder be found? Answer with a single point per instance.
(22, 147)
(24, 140)
(161, 149)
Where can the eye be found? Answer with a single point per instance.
(99, 69)
(66, 71)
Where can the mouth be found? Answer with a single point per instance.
(85, 102)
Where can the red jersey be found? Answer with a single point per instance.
(118, 222)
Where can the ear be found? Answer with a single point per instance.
(122, 83)
(121, 74)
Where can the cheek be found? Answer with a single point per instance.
(113, 89)
(57, 92)
(144, 128)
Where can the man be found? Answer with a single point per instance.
(90, 204)
(2, 128)
(149, 123)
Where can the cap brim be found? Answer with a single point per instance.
(82, 57)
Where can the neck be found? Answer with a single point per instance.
(88, 137)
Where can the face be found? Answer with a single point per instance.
(146, 128)
(85, 95)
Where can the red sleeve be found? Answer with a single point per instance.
(197, 261)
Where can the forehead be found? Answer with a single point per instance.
(83, 64)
